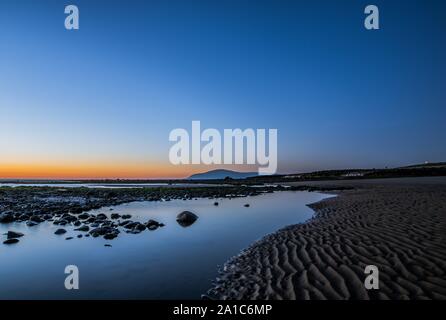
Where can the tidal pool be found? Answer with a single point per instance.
(172, 262)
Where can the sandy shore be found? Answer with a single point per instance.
(398, 226)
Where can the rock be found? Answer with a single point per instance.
(135, 226)
(153, 227)
(247, 205)
(90, 220)
(6, 218)
(124, 223)
(101, 216)
(10, 241)
(23, 217)
(126, 216)
(186, 218)
(13, 234)
(101, 231)
(30, 223)
(215, 203)
(129, 225)
(68, 238)
(152, 223)
(60, 222)
(140, 226)
(36, 218)
(79, 236)
(107, 224)
(83, 216)
(60, 231)
(69, 218)
(134, 231)
(111, 194)
(115, 216)
(83, 228)
(107, 245)
(76, 210)
(110, 236)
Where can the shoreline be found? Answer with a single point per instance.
(400, 228)
(70, 207)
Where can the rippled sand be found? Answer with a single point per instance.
(399, 227)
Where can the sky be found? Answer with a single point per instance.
(100, 102)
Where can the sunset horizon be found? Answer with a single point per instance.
(137, 171)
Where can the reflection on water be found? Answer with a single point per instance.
(106, 185)
(168, 263)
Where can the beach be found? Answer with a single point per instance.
(398, 225)
(304, 240)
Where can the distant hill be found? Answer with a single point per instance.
(222, 174)
(435, 169)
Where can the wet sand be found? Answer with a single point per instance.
(397, 225)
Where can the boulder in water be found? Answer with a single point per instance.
(186, 218)
(13, 235)
(10, 241)
(153, 225)
(60, 231)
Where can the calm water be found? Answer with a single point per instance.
(171, 262)
(105, 185)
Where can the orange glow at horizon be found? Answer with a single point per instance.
(101, 170)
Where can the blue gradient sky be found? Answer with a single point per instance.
(111, 92)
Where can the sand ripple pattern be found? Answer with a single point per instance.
(400, 229)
